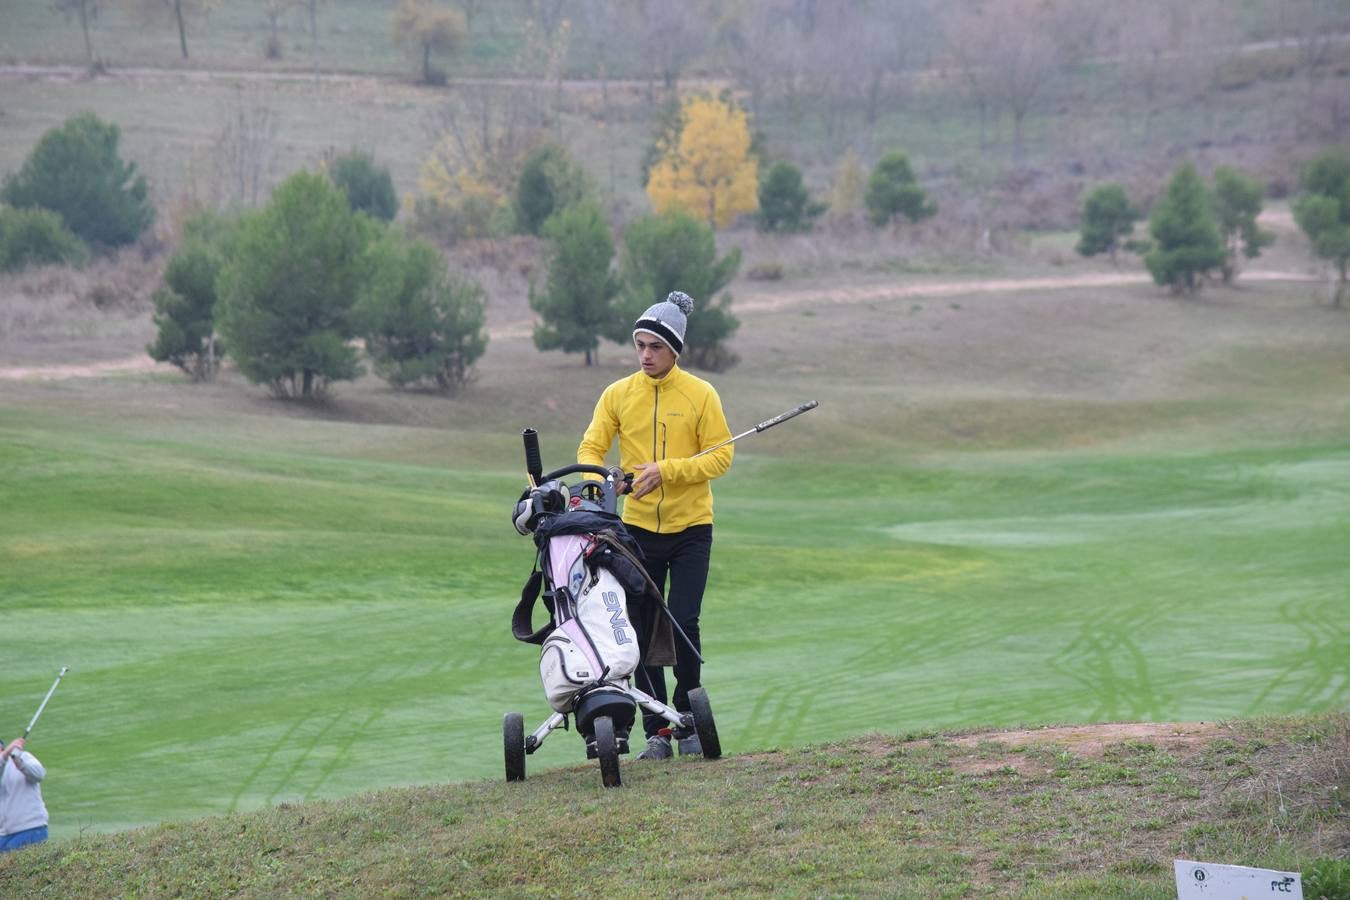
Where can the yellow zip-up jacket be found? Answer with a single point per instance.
(665, 421)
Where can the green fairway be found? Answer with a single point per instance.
(258, 610)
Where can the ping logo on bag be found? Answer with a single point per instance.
(616, 619)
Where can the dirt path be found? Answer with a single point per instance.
(767, 301)
(746, 302)
(161, 73)
(91, 370)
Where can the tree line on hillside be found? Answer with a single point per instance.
(845, 64)
(290, 290)
(847, 59)
(285, 290)
(1197, 229)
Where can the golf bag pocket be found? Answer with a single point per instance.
(564, 669)
(594, 638)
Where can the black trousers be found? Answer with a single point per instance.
(683, 557)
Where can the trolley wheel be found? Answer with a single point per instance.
(704, 724)
(607, 749)
(513, 740)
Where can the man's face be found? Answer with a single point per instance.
(654, 354)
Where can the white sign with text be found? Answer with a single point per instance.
(1211, 881)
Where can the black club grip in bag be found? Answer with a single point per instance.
(534, 466)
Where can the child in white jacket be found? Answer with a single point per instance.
(23, 815)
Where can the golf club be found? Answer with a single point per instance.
(33, 721)
(767, 423)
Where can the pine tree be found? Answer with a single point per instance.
(1108, 218)
(676, 252)
(287, 292)
(576, 305)
(892, 191)
(1185, 235)
(1237, 203)
(1323, 211)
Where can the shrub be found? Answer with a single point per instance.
(1322, 210)
(1237, 204)
(892, 191)
(420, 323)
(369, 188)
(468, 217)
(1186, 238)
(76, 172)
(676, 252)
(576, 303)
(1108, 218)
(784, 202)
(767, 271)
(1329, 878)
(34, 237)
(288, 287)
(549, 182)
(185, 305)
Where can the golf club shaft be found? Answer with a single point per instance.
(43, 705)
(767, 423)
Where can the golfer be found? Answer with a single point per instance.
(662, 416)
(23, 815)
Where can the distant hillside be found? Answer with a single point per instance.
(1091, 811)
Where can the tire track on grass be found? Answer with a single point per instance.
(1089, 660)
(1319, 665)
(304, 756)
(344, 750)
(263, 763)
(358, 733)
(783, 712)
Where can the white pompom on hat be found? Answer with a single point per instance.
(667, 319)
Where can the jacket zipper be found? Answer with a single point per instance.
(656, 404)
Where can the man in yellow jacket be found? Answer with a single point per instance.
(663, 416)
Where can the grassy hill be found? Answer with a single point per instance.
(1076, 812)
(1014, 506)
(1037, 491)
(1242, 103)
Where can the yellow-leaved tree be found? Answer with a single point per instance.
(708, 171)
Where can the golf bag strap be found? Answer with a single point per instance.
(658, 625)
(520, 619)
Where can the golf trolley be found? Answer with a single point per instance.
(597, 592)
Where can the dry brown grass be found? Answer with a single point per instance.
(59, 315)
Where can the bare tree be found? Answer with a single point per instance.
(486, 132)
(86, 11)
(424, 27)
(548, 13)
(1172, 49)
(1316, 27)
(470, 8)
(751, 44)
(867, 43)
(312, 14)
(543, 55)
(1008, 55)
(245, 152)
(273, 10)
(669, 35)
(154, 11)
(1079, 27)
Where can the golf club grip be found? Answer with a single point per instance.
(534, 466)
(779, 419)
